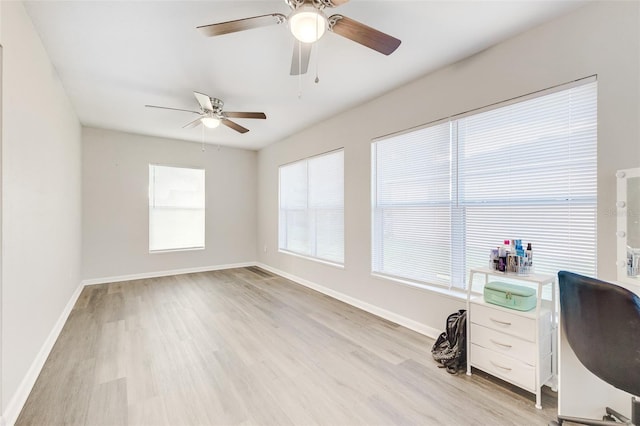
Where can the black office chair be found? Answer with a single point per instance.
(602, 324)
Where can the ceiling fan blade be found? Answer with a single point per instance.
(174, 109)
(234, 126)
(300, 59)
(244, 114)
(242, 24)
(363, 34)
(194, 123)
(204, 101)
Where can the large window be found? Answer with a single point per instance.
(311, 217)
(176, 208)
(444, 195)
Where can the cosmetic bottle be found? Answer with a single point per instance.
(529, 254)
(503, 253)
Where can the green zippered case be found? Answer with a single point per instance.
(510, 296)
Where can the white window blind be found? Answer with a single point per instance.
(412, 203)
(526, 170)
(311, 216)
(176, 208)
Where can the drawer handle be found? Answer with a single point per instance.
(500, 322)
(504, 345)
(500, 366)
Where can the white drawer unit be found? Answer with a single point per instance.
(505, 344)
(505, 322)
(515, 346)
(512, 370)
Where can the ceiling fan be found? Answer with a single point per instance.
(211, 114)
(308, 23)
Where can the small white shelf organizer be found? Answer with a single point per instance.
(515, 346)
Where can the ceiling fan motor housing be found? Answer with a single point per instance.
(217, 105)
(328, 3)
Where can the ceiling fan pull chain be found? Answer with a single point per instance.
(317, 80)
(299, 68)
(202, 138)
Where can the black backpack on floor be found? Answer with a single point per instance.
(450, 349)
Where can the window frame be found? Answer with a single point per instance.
(204, 209)
(310, 213)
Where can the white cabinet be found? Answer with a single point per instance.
(515, 346)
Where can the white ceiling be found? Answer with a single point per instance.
(113, 57)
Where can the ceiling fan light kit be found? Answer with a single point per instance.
(307, 24)
(210, 122)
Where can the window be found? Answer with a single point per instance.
(411, 220)
(311, 216)
(176, 208)
(446, 194)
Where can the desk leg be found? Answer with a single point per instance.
(555, 335)
(468, 324)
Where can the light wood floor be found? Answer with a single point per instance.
(243, 346)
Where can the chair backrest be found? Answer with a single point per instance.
(602, 324)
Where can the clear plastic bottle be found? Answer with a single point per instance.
(507, 247)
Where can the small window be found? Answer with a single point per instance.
(176, 208)
(312, 207)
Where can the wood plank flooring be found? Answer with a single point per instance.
(245, 347)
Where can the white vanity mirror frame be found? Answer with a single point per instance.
(621, 230)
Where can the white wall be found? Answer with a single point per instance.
(116, 209)
(601, 38)
(41, 189)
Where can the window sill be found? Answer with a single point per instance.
(175, 250)
(452, 293)
(313, 259)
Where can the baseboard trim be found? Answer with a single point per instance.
(372, 309)
(18, 400)
(156, 274)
